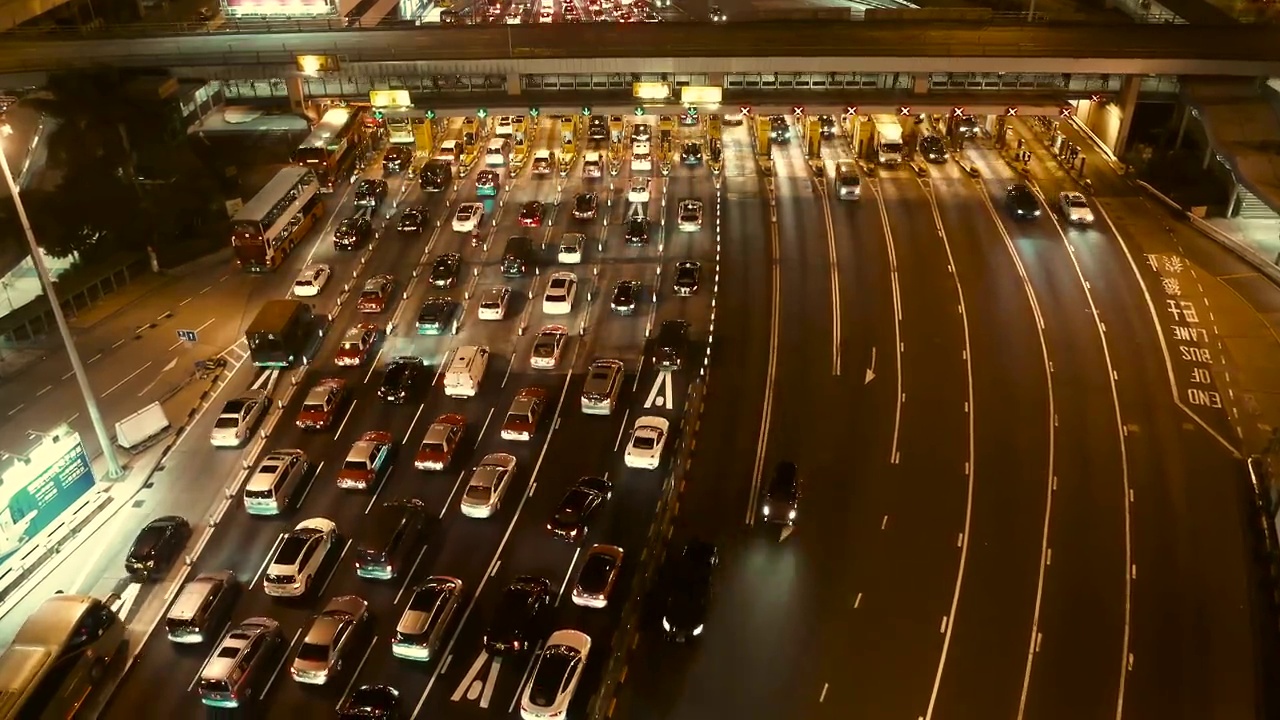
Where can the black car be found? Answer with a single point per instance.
(688, 591)
(401, 378)
(671, 344)
(1022, 202)
(371, 192)
(782, 498)
(569, 521)
(435, 175)
(516, 623)
(597, 128)
(626, 293)
(638, 231)
(827, 126)
(688, 273)
(353, 232)
(445, 270)
(691, 153)
(371, 702)
(413, 220)
(157, 547)
(585, 205)
(779, 130)
(437, 316)
(396, 159)
(932, 149)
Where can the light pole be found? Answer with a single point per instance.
(82, 379)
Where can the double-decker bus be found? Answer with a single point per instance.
(276, 219)
(58, 656)
(332, 146)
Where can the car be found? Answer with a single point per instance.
(426, 619)
(779, 129)
(438, 315)
(441, 442)
(782, 498)
(671, 344)
(597, 577)
(402, 376)
(516, 622)
(312, 280)
(488, 483)
(157, 547)
(543, 163)
(413, 220)
(592, 165)
(353, 232)
(371, 702)
(523, 415)
(493, 303)
(502, 126)
(1075, 208)
(377, 291)
(298, 556)
(638, 231)
(545, 16)
(333, 633)
(688, 590)
(691, 153)
(571, 244)
(547, 345)
(648, 438)
(558, 297)
(368, 459)
(531, 214)
(571, 516)
(239, 416)
(690, 215)
(586, 205)
(626, 294)
(487, 183)
(321, 404)
(247, 653)
(933, 149)
(371, 192)
(641, 157)
(515, 17)
(688, 273)
(396, 159)
(639, 190)
(734, 119)
(597, 127)
(716, 15)
(1022, 202)
(468, 217)
(445, 270)
(827, 126)
(556, 676)
(356, 344)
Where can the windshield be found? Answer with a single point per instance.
(228, 422)
(355, 465)
(478, 493)
(644, 441)
(312, 652)
(312, 408)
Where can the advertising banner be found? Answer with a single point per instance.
(279, 8)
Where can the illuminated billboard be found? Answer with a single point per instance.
(40, 487)
(279, 8)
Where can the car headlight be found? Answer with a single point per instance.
(666, 625)
(765, 509)
(791, 515)
(697, 631)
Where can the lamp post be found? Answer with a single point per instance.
(82, 379)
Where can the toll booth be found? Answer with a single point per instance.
(714, 150)
(568, 129)
(811, 129)
(520, 129)
(715, 125)
(425, 132)
(617, 127)
(760, 134)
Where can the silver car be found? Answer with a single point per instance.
(238, 418)
(488, 483)
(332, 634)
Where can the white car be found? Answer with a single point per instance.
(312, 280)
(493, 303)
(489, 480)
(556, 676)
(558, 298)
(571, 248)
(298, 556)
(468, 217)
(502, 127)
(641, 159)
(648, 438)
(639, 192)
(690, 215)
(545, 354)
(1075, 209)
(238, 418)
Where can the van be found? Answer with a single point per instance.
(466, 370)
(390, 538)
(670, 346)
(495, 155)
(517, 256)
(203, 607)
(273, 486)
(544, 162)
(592, 165)
(450, 151)
(600, 391)
(426, 619)
(242, 663)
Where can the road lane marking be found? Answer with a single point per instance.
(567, 574)
(834, 262)
(46, 389)
(283, 656)
(621, 429)
(471, 686)
(767, 411)
(661, 384)
(95, 357)
(69, 374)
(356, 674)
(898, 345)
(453, 492)
(409, 432)
(118, 343)
(184, 302)
(350, 409)
(528, 668)
(373, 365)
(823, 696)
(122, 382)
(11, 412)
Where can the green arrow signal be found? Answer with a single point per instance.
(482, 113)
(534, 112)
(586, 111)
(431, 114)
(639, 110)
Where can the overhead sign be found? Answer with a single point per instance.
(745, 109)
(904, 111)
(850, 110)
(701, 94)
(1065, 112)
(797, 110)
(41, 487)
(187, 335)
(312, 64)
(957, 112)
(1011, 111)
(389, 98)
(651, 90)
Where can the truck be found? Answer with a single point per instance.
(888, 140)
(141, 429)
(281, 333)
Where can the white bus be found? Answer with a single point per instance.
(276, 219)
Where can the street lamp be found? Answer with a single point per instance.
(82, 379)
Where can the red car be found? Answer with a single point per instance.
(522, 418)
(357, 344)
(321, 404)
(440, 442)
(368, 458)
(531, 214)
(376, 294)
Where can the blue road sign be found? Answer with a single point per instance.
(187, 335)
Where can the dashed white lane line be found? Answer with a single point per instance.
(46, 389)
(11, 412)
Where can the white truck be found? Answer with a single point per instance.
(141, 429)
(888, 140)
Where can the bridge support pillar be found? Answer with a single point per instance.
(920, 83)
(513, 83)
(297, 95)
(1128, 102)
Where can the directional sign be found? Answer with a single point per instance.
(187, 335)
(661, 394)
(534, 112)
(474, 688)
(903, 110)
(744, 109)
(957, 112)
(1065, 112)
(431, 114)
(797, 110)
(1011, 111)
(482, 113)
(1095, 98)
(639, 110)
(850, 110)
(586, 111)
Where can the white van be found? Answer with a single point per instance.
(640, 157)
(495, 155)
(592, 165)
(273, 486)
(466, 370)
(450, 151)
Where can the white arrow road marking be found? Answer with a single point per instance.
(474, 688)
(662, 384)
(871, 371)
